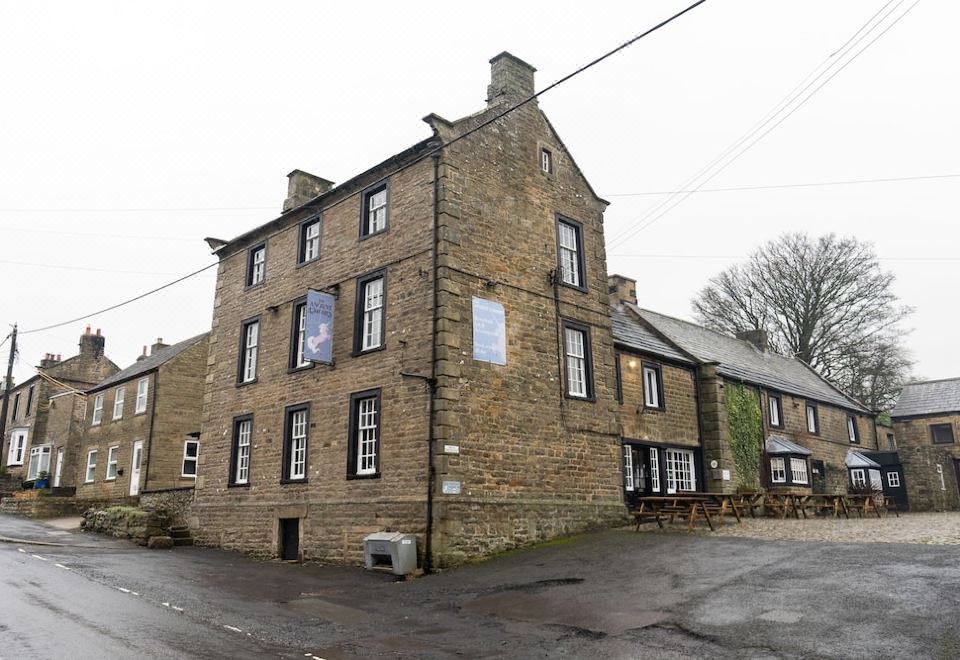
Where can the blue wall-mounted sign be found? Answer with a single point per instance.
(318, 330)
(489, 331)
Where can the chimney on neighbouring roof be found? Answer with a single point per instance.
(92, 345)
(622, 289)
(511, 79)
(142, 356)
(158, 345)
(758, 338)
(302, 187)
(49, 360)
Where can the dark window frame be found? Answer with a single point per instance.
(234, 449)
(581, 257)
(855, 440)
(353, 440)
(26, 412)
(365, 196)
(643, 378)
(302, 239)
(358, 313)
(248, 281)
(549, 155)
(293, 358)
(619, 375)
(816, 418)
(788, 471)
(288, 413)
(933, 434)
(587, 359)
(241, 355)
(773, 396)
(16, 406)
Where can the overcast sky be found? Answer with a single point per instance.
(130, 131)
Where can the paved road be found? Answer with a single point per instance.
(615, 594)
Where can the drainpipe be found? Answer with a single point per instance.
(431, 467)
(696, 398)
(153, 416)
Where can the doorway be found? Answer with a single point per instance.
(135, 468)
(59, 471)
(290, 539)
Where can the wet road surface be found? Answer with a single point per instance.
(614, 594)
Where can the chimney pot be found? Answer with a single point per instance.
(58, 357)
(98, 332)
(87, 331)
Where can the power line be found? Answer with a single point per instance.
(401, 168)
(743, 256)
(142, 209)
(82, 268)
(86, 234)
(842, 182)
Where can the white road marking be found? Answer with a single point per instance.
(39, 557)
(62, 566)
(165, 604)
(232, 628)
(174, 607)
(22, 550)
(126, 591)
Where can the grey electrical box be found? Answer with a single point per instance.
(391, 551)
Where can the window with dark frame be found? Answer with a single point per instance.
(257, 265)
(570, 253)
(363, 455)
(813, 419)
(295, 435)
(249, 350)
(374, 216)
(240, 450)
(16, 406)
(298, 328)
(546, 161)
(941, 434)
(26, 413)
(619, 374)
(775, 408)
(790, 470)
(309, 242)
(578, 365)
(852, 431)
(368, 331)
(191, 452)
(652, 386)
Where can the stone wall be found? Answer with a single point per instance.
(175, 503)
(126, 522)
(677, 422)
(928, 469)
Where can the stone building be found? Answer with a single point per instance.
(142, 425)
(46, 410)
(926, 424)
(792, 430)
(471, 396)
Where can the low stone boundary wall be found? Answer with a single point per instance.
(44, 504)
(127, 522)
(176, 503)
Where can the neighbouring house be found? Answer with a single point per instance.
(766, 420)
(470, 396)
(46, 411)
(142, 425)
(926, 425)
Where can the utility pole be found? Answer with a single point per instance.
(8, 385)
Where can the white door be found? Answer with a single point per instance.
(135, 468)
(59, 472)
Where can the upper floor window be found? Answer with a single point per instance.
(257, 265)
(652, 387)
(142, 386)
(942, 434)
(240, 459)
(813, 419)
(776, 410)
(191, 451)
(298, 329)
(579, 367)
(364, 450)
(309, 241)
(546, 161)
(570, 251)
(374, 214)
(852, 431)
(249, 350)
(16, 406)
(295, 443)
(371, 295)
(118, 396)
(26, 413)
(97, 409)
(18, 446)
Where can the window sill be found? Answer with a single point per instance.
(254, 286)
(188, 476)
(367, 351)
(243, 383)
(306, 367)
(574, 397)
(301, 264)
(364, 237)
(285, 482)
(359, 477)
(658, 409)
(110, 479)
(580, 288)
(246, 485)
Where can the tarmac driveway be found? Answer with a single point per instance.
(613, 594)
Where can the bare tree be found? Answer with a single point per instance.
(825, 301)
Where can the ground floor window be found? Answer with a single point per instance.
(681, 474)
(91, 466)
(39, 461)
(798, 471)
(112, 463)
(789, 470)
(858, 478)
(778, 470)
(191, 450)
(654, 470)
(628, 481)
(893, 479)
(658, 470)
(18, 445)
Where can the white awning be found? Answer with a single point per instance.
(857, 460)
(777, 444)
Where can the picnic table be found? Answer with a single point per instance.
(862, 504)
(689, 505)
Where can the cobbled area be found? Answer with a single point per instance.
(923, 528)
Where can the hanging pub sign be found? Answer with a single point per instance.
(318, 327)
(489, 331)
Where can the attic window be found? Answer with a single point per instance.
(942, 434)
(546, 161)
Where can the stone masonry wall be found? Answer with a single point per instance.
(928, 469)
(677, 422)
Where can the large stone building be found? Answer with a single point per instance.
(142, 425)
(471, 396)
(926, 424)
(46, 411)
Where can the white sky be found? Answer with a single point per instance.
(124, 125)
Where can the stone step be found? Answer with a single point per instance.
(182, 541)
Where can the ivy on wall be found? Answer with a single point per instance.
(745, 426)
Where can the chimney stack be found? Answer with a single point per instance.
(143, 355)
(757, 337)
(622, 289)
(91, 346)
(49, 360)
(302, 187)
(511, 80)
(157, 346)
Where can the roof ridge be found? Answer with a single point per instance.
(932, 380)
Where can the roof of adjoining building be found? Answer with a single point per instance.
(777, 444)
(738, 359)
(928, 398)
(150, 363)
(634, 335)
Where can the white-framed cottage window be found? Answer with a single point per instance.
(18, 446)
(813, 425)
(142, 386)
(191, 452)
(852, 432)
(858, 478)
(97, 409)
(91, 466)
(943, 484)
(372, 314)
(778, 470)
(118, 397)
(243, 429)
(374, 218)
(367, 436)
(893, 479)
(546, 161)
(681, 475)
(249, 351)
(569, 245)
(112, 462)
(776, 410)
(628, 468)
(297, 359)
(652, 396)
(654, 469)
(297, 444)
(798, 470)
(310, 240)
(39, 461)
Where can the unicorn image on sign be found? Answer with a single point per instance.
(314, 342)
(318, 327)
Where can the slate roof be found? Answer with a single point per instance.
(149, 363)
(630, 333)
(928, 398)
(741, 360)
(856, 459)
(777, 444)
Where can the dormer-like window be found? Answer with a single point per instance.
(257, 265)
